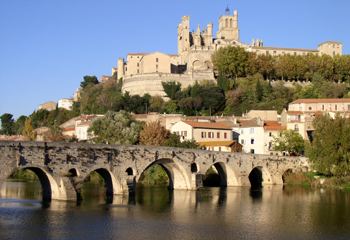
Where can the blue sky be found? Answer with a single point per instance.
(46, 47)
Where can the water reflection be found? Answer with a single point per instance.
(156, 213)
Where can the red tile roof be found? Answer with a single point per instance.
(249, 123)
(322, 100)
(217, 143)
(295, 112)
(210, 125)
(273, 126)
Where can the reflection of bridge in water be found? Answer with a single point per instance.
(63, 167)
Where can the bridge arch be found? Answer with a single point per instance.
(50, 188)
(285, 175)
(112, 185)
(73, 172)
(228, 177)
(259, 176)
(178, 178)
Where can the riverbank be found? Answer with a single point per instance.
(313, 180)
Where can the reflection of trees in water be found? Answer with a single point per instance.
(157, 199)
(330, 208)
(21, 190)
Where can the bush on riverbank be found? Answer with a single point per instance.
(314, 180)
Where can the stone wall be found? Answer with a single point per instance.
(63, 167)
(152, 83)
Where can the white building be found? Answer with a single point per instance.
(78, 127)
(256, 136)
(65, 103)
(215, 136)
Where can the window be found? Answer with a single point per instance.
(225, 135)
(138, 71)
(204, 135)
(310, 108)
(252, 141)
(157, 59)
(185, 133)
(322, 107)
(252, 151)
(218, 135)
(242, 131)
(157, 68)
(242, 141)
(336, 107)
(296, 127)
(209, 134)
(270, 134)
(138, 64)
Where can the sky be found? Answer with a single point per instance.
(47, 46)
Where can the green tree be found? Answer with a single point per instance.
(330, 148)
(7, 124)
(170, 107)
(156, 104)
(88, 81)
(174, 141)
(171, 89)
(39, 118)
(19, 124)
(231, 62)
(115, 128)
(291, 142)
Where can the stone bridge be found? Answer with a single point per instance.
(63, 167)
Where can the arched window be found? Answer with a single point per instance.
(231, 23)
(226, 23)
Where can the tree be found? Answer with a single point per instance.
(39, 118)
(156, 104)
(88, 80)
(115, 128)
(291, 142)
(231, 62)
(329, 150)
(19, 124)
(174, 141)
(171, 89)
(7, 124)
(153, 134)
(28, 130)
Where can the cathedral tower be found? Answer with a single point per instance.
(228, 26)
(183, 33)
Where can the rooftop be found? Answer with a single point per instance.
(322, 100)
(273, 126)
(210, 125)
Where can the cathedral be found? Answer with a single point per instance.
(144, 72)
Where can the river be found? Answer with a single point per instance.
(156, 213)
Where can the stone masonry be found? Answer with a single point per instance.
(63, 167)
